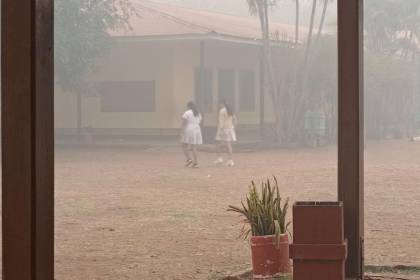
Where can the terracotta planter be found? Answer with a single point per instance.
(268, 259)
(319, 251)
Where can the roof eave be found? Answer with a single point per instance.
(213, 36)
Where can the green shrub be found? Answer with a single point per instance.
(264, 212)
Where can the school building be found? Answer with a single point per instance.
(170, 56)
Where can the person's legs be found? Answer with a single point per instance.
(230, 162)
(229, 148)
(194, 155)
(219, 152)
(186, 152)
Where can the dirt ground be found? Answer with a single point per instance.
(139, 214)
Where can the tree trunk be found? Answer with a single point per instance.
(302, 74)
(268, 62)
(310, 33)
(322, 21)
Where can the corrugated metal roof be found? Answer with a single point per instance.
(157, 19)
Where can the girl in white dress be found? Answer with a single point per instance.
(225, 132)
(191, 134)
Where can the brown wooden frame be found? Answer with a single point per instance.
(350, 130)
(28, 139)
(28, 136)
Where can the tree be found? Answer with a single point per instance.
(392, 65)
(306, 63)
(322, 20)
(392, 36)
(310, 32)
(297, 22)
(323, 81)
(82, 36)
(389, 88)
(302, 74)
(393, 26)
(261, 9)
(286, 88)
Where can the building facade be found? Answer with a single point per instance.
(171, 56)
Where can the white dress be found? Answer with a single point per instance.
(226, 127)
(226, 134)
(191, 132)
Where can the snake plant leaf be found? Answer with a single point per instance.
(263, 210)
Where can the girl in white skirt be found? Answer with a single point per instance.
(191, 134)
(225, 133)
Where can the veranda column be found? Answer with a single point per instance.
(350, 131)
(262, 84)
(27, 139)
(200, 98)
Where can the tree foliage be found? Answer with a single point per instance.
(393, 26)
(288, 89)
(82, 35)
(255, 5)
(392, 44)
(392, 29)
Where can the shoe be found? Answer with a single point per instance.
(195, 165)
(218, 161)
(230, 163)
(188, 163)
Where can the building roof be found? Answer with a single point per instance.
(157, 20)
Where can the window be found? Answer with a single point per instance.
(204, 90)
(227, 86)
(133, 96)
(246, 91)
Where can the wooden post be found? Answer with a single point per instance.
(350, 130)
(27, 139)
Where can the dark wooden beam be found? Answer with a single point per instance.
(350, 131)
(27, 139)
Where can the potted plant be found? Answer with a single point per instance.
(265, 220)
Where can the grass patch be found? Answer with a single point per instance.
(248, 276)
(372, 269)
(398, 269)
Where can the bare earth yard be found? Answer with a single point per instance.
(139, 214)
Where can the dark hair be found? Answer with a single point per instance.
(191, 105)
(229, 109)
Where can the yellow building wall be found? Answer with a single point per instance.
(218, 55)
(128, 61)
(135, 62)
(235, 57)
(186, 55)
(172, 66)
